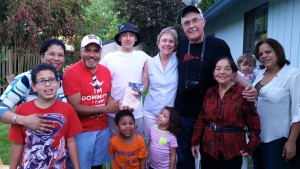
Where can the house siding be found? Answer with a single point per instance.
(282, 25)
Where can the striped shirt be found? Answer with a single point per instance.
(20, 91)
(159, 148)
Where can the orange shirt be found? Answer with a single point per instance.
(127, 155)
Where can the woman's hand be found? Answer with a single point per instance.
(289, 150)
(195, 151)
(36, 122)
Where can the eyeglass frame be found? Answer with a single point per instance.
(53, 54)
(194, 21)
(44, 81)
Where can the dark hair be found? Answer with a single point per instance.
(229, 59)
(277, 47)
(248, 58)
(50, 42)
(174, 124)
(123, 113)
(41, 67)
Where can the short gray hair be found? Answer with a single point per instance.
(169, 30)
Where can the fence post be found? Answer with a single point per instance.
(10, 63)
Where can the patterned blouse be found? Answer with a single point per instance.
(233, 112)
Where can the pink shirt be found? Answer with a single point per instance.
(159, 148)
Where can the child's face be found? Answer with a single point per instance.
(163, 118)
(46, 85)
(127, 40)
(126, 126)
(246, 68)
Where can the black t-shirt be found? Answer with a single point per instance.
(189, 102)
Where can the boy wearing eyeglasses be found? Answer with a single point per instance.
(39, 148)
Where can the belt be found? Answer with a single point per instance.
(224, 129)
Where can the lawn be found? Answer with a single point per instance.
(4, 143)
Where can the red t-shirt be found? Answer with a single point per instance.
(79, 79)
(46, 151)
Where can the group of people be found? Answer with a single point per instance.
(197, 102)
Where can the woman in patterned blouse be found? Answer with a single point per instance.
(224, 118)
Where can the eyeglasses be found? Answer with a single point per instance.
(43, 81)
(52, 54)
(194, 21)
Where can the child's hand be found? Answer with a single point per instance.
(244, 153)
(195, 151)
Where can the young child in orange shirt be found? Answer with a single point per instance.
(128, 147)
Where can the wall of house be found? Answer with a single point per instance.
(282, 25)
(229, 26)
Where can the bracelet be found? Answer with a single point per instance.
(15, 118)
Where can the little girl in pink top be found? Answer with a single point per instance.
(163, 143)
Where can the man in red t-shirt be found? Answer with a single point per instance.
(87, 86)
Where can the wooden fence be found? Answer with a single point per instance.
(14, 61)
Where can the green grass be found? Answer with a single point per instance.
(4, 143)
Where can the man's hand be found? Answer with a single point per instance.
(113, 106)
(250, 93)
(126, 108)
(36, 122)
(289, 150)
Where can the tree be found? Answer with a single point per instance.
(206, 4)
(28, 22)
(98, 19)
(151, 16)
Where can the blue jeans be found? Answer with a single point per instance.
(184, 153)
(269, 155)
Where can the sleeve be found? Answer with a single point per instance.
(142, 153)
(16, 131)
(60, 92)
(295, 97)
(111, 148)
(199, 125)
(173, 142)
(14, 93)
(70, 83)
(103, 61)
(74, 125)
(253, 125)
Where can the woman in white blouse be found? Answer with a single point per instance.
(278, 106)
(162, 78)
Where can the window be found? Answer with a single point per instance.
(255, 27)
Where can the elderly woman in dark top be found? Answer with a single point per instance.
(224, 117)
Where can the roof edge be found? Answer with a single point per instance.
(218, 8)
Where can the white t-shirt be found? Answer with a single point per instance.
(125, 68)
(278, 103)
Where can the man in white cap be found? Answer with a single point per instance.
(87, 85)
(127, 65)
(196, 55)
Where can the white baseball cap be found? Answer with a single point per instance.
(91, 39)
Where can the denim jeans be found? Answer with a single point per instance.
(184, 153)
(269, 155)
